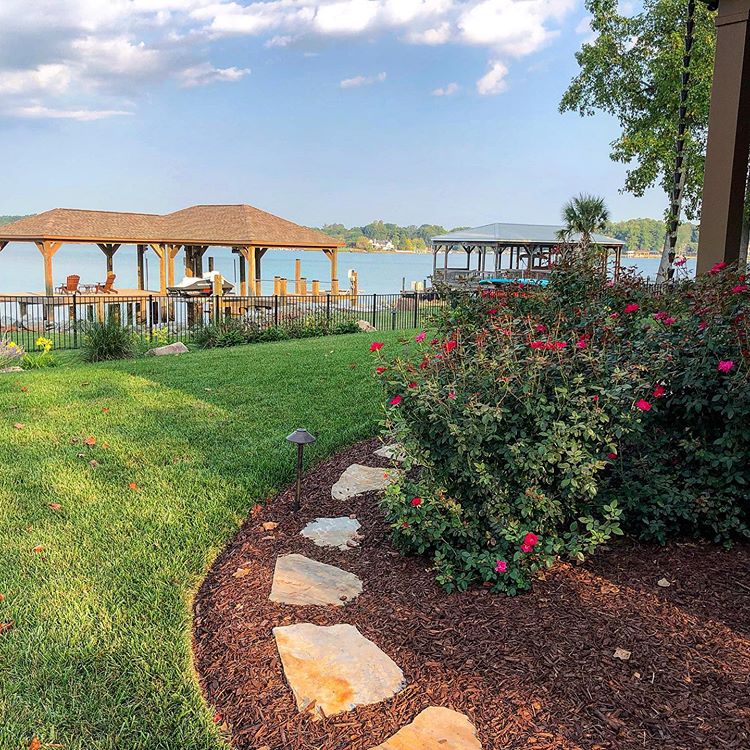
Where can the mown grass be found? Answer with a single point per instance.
(99, 653)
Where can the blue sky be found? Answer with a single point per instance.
(412, 111)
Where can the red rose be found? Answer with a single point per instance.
(526, 548)
(530, 539)
(380, 370)
(376, 345)
(416, 501)
(395, 401)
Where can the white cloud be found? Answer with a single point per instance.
(448, 90)
(102, 56)
(493, 81)
(39, 112)
(357, 81)
(205, 73)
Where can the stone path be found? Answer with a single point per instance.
(299, 580)
(333, 532)
(358, 479)
(332, 669)
(435, 728)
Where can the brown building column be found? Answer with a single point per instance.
(728, 139)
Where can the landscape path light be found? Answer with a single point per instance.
(300, 438)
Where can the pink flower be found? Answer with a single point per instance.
(659, 391)
(681, 261)
(595, 399)
(643, 405)
(560, 344)
(611, 456)
(380, 370)
(376, 345)
(451, 394)
(669, 321)
(412, 385)
(614, 316)
(718, 267)
(660, 315)
(501, 566)
(526, 547)
(493, 311)
(416, 501)
(530, 539)
(725, 365)
(420, 337)
(702, 325)
(395, 401)
(449, 346)
(540, 328)
(434, 342)
(581, 343)
(632, 307)
(739, 288)
(537, 344)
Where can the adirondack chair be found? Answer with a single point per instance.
(106, 287)
(70, 286)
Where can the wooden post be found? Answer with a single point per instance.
(297, 274)
(189, 261)
(302, 287)
(276, 285)
(48, 248)
(335, 287)
(172, 251)
(109, 249)
(282, 287)
(161, 252)
(332, 255)
(218, 284)
(140, 253)
(728, 139)
(261, 251)
(243, 277)
(251, 252)
(316, 288)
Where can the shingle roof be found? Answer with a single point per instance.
(523, 234)
(198, 225)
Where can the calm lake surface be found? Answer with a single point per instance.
(21, 267)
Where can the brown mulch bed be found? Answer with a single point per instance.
(535, 671)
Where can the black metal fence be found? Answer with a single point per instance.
(160, 319)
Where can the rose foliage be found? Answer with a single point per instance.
(540, 422)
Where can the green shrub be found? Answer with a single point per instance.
(107, 341)
(40, 359)
(565, 413)
(233, 331)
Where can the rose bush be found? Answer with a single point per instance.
(544, 421)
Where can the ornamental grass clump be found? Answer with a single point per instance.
(542, 422)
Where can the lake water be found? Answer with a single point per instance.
(21, 267)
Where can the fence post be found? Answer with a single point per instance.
(393, 319)
(416, 310)
(150, 317)
(75, 320)
(328, 309)
(374, 306)
(276, 310)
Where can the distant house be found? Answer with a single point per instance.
(383, 244)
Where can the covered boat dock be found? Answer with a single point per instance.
(518, 251)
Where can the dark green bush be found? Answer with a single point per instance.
(107, 341)
(233, 331)
(565, 413)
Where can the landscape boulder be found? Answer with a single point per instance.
(363, 325)
(160, 351)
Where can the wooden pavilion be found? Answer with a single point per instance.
(248, 231)
(531, 251)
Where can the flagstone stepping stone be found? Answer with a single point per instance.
(435, 728)
(358, 479)
(334, 668)
(299, 580)
(333, 532)
(393, 452)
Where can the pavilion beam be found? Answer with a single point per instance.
(48, 248)
(172, 251)
(3, 245)
(248, 253)
(261, 251)
(728, 139)
(161, 252)
(140, 254)
(333, 255)
(109, 249)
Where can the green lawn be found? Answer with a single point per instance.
(99, 654)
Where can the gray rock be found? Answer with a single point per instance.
(333, 532)
(12, 368)
(332, 669)
(358, 479)
(393, 452)
(363, 325)
(299, 580)
(160, 351)
(435, 728)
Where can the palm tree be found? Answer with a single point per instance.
(583, 215)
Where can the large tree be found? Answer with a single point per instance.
(632, 69)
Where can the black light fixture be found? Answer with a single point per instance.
(300, 438)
